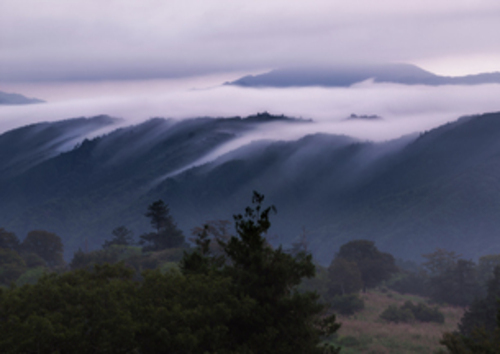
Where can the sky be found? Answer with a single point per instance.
(137, 59)
(148, 39)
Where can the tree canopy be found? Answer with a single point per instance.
(344, 277)
(45, 244)
(375, 266)
(243, 301)
(281, 319)
(452, 279)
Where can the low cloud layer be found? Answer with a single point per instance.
(404, 109)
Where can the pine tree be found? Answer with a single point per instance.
(282, 320)
(166, 234)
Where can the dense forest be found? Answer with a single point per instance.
(225, 292)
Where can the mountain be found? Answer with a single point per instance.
(89, 190)
(410, 195)
(15, 99)
(26, 147)
(347, 75)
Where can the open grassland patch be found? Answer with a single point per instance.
(365, 332)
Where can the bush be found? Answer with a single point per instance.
(395, 314)
(409, 312)
(424, 313)
(347, 304)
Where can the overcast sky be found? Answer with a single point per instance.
(144, 39)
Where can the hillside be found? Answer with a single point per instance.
(365, 332)
(410, 195)
(26, 147)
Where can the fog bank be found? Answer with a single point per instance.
(403, 109)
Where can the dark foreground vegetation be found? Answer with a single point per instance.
(241, 301)
(232, 294)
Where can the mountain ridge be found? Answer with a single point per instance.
(438, 189)
(17, 99)
(348, 75)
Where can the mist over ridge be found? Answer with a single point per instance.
(405, 109)
(410, 195)
(392, 155)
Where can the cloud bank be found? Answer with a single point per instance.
(404, 109)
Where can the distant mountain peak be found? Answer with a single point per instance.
(348, 75)
(17, 99)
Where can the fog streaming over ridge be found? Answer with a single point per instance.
(404, 109)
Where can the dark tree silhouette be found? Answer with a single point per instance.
(375, 266)
(122, 237)
(158, 214)
(281, 320)
(167, 234)
(482, 312)
(344, 278)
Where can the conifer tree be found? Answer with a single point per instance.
(282, 320)
(166, 234)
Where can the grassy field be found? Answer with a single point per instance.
(365, 332)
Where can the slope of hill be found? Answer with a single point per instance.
(88, 191)
(411, 195)
(26, 147)
(365, 332)
(441, 190)
(347, 75)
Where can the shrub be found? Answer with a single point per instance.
(409, 312)
(424, 313)
(347, 304)
(395, 314)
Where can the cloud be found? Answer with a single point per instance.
(129, 39)
(404, 109)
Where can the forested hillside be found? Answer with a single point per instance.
(411, 195)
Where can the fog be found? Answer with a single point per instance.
(404, 109)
